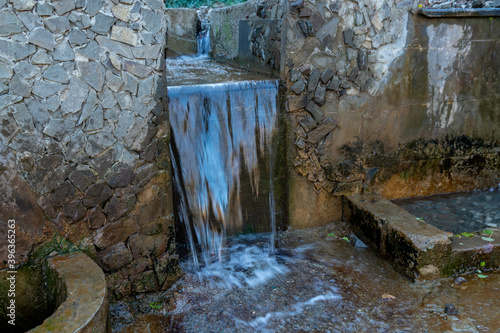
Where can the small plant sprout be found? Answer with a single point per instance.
(155, 305)
(489, 238)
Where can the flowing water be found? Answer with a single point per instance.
(457, 212)
(222, 131)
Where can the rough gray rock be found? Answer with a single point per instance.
(9, 23)
(77, 37)
(298, 87)
(313, 80)
(88, 106)
(58, 128)
(91, 51)
(120, 175)
(102, 23)
(5, 72)
(114, 46)
(19, 87)
(147, 52)
(44, 9)
(62, 7)
(124, 35)
(130, 83)
(44, 89)
(74, 97)
(315, 111)
(92, 73)
(41, 57)
(30, 21)
(81, 177)
(43, 38)
(93, 6)
(308, 123)
(97, 194)
(151, 20)
(321, 131)
(63, 52)
(22, 5)
(96, 120)
(57, 24)
(100, 141)
(56, 73)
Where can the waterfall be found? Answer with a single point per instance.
(203, 39)
(222, 134)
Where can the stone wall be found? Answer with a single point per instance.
(84, 137)
(383, 100)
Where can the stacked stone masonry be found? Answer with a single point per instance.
(84, 135)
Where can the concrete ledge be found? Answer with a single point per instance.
(456, 12)
(415, 248)
(86, 308)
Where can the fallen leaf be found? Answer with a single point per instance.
(488, 232)
(481, 276)
(487, 239)
(388, 296)
(467, 234)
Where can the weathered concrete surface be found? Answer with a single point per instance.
(85, 307)
(414, 99)
(182, 27)
(471, 254)
(249, 35)
(415, 248)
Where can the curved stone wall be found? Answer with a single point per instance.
(84, 136)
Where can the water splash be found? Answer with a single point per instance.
(220, 130)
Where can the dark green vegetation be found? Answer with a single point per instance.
(199, 3)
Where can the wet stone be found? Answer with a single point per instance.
(296, 6)
(320, 95)
(313, 80)
(82, 176)
(306, 27)
(74, 211)
(62, 194)
(321, 131)
(334, 84)
(96, 218)
(308, 123)
(349, 37)
(450, 309)
(120, 175)
(327, 75)
(98, 142)
(298, 87)
(315, 111)
(294, 75)
(118, 207)
(115, 257)
(50, 162)
(97, 194)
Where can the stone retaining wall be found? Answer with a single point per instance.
(84, 134)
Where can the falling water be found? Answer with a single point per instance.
(203, 39)
(222, 133)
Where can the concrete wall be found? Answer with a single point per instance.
(382, 100)
(84, 136)
(249, 35)
(182, 27)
